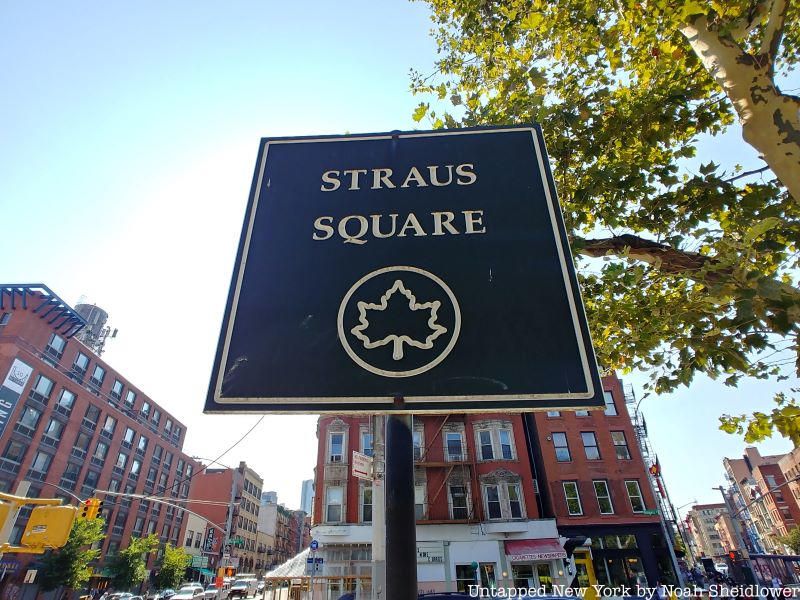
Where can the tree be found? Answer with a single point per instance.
(69, 565)
(173, 567)
(128, 565)
(792, 539)
(685, 267)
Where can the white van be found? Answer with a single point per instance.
(252, 583)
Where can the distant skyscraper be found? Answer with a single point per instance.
(269, 498)
(307, 496)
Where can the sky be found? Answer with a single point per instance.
(129, 136)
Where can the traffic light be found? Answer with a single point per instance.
(91, 508)
(48, 527)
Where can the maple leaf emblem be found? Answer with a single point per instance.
(398, 340)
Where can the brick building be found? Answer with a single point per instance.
(593, 480)
(238, 493)
(507, 492)
(474, 502)
(73, 426)
(702, 520)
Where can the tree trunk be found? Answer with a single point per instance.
(770, 120)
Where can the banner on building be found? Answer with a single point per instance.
(11, 390)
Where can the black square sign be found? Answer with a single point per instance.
(430, 266)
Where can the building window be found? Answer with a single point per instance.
(130, 398)
(92, 415)
(485, 444)
(581, 413)
(30, 417)
(553, 413)
(635, 496)
(142, 446)
(611, 408)
(506, 444)
(515, 506)
(168, 426)
(66, 400)
(81, 364)
(366, 443)
(42, 388)
(55, 347)
(336, 445)
(157, 452)
(561, 447)
(122, 460)
(82, 442)
(590, 445)
(189, 537)
(145, 409)
(453, 446)
(110, 424)
(156, 417)
(603, 497)
(620, 445)
(54, 429)
(503, 501)
(465, 577)
(128, 437)
(419, 502)
(418, 446)
(333, 504)
(459, 501)
(15, 451)
(168, 459)
(116, 389)
(136, 466)
(101, 451)
(573, 498)
(366, 504)
(41, 462)
(491, 494)
(98, 375)
(91, 479)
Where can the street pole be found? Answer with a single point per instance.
(401, 534)
(229, 521)
(739, 540)
(378, 508)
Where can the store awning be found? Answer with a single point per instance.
(544, 549)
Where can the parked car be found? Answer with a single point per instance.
(239, 589)
(164, 594)
(212, 592)
(261, 585)
(189, 592)
(721, 568)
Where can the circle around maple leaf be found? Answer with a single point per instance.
(384, 372)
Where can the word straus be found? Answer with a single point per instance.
(377, 178)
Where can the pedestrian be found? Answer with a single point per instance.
(776, 582)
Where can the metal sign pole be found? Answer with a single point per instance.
(401, 530)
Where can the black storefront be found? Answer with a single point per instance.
(627, 554)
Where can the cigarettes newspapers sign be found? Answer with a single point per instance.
(432, 266)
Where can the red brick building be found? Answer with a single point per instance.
(474, 500)
(239, 492)
(73, 426)
(595, 483)
(507, 492)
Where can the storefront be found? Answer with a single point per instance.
(627, 554)
(535, 563)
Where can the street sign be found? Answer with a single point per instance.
(650, 511)
(432, 266)
(362, 466)
(314, 545)
(314, 565)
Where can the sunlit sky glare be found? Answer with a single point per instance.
(129, 136)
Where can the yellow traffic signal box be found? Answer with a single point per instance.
(91, 507)
(49, 526)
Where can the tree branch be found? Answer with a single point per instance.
(668, 259)
(774, 30)
(743, 26)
